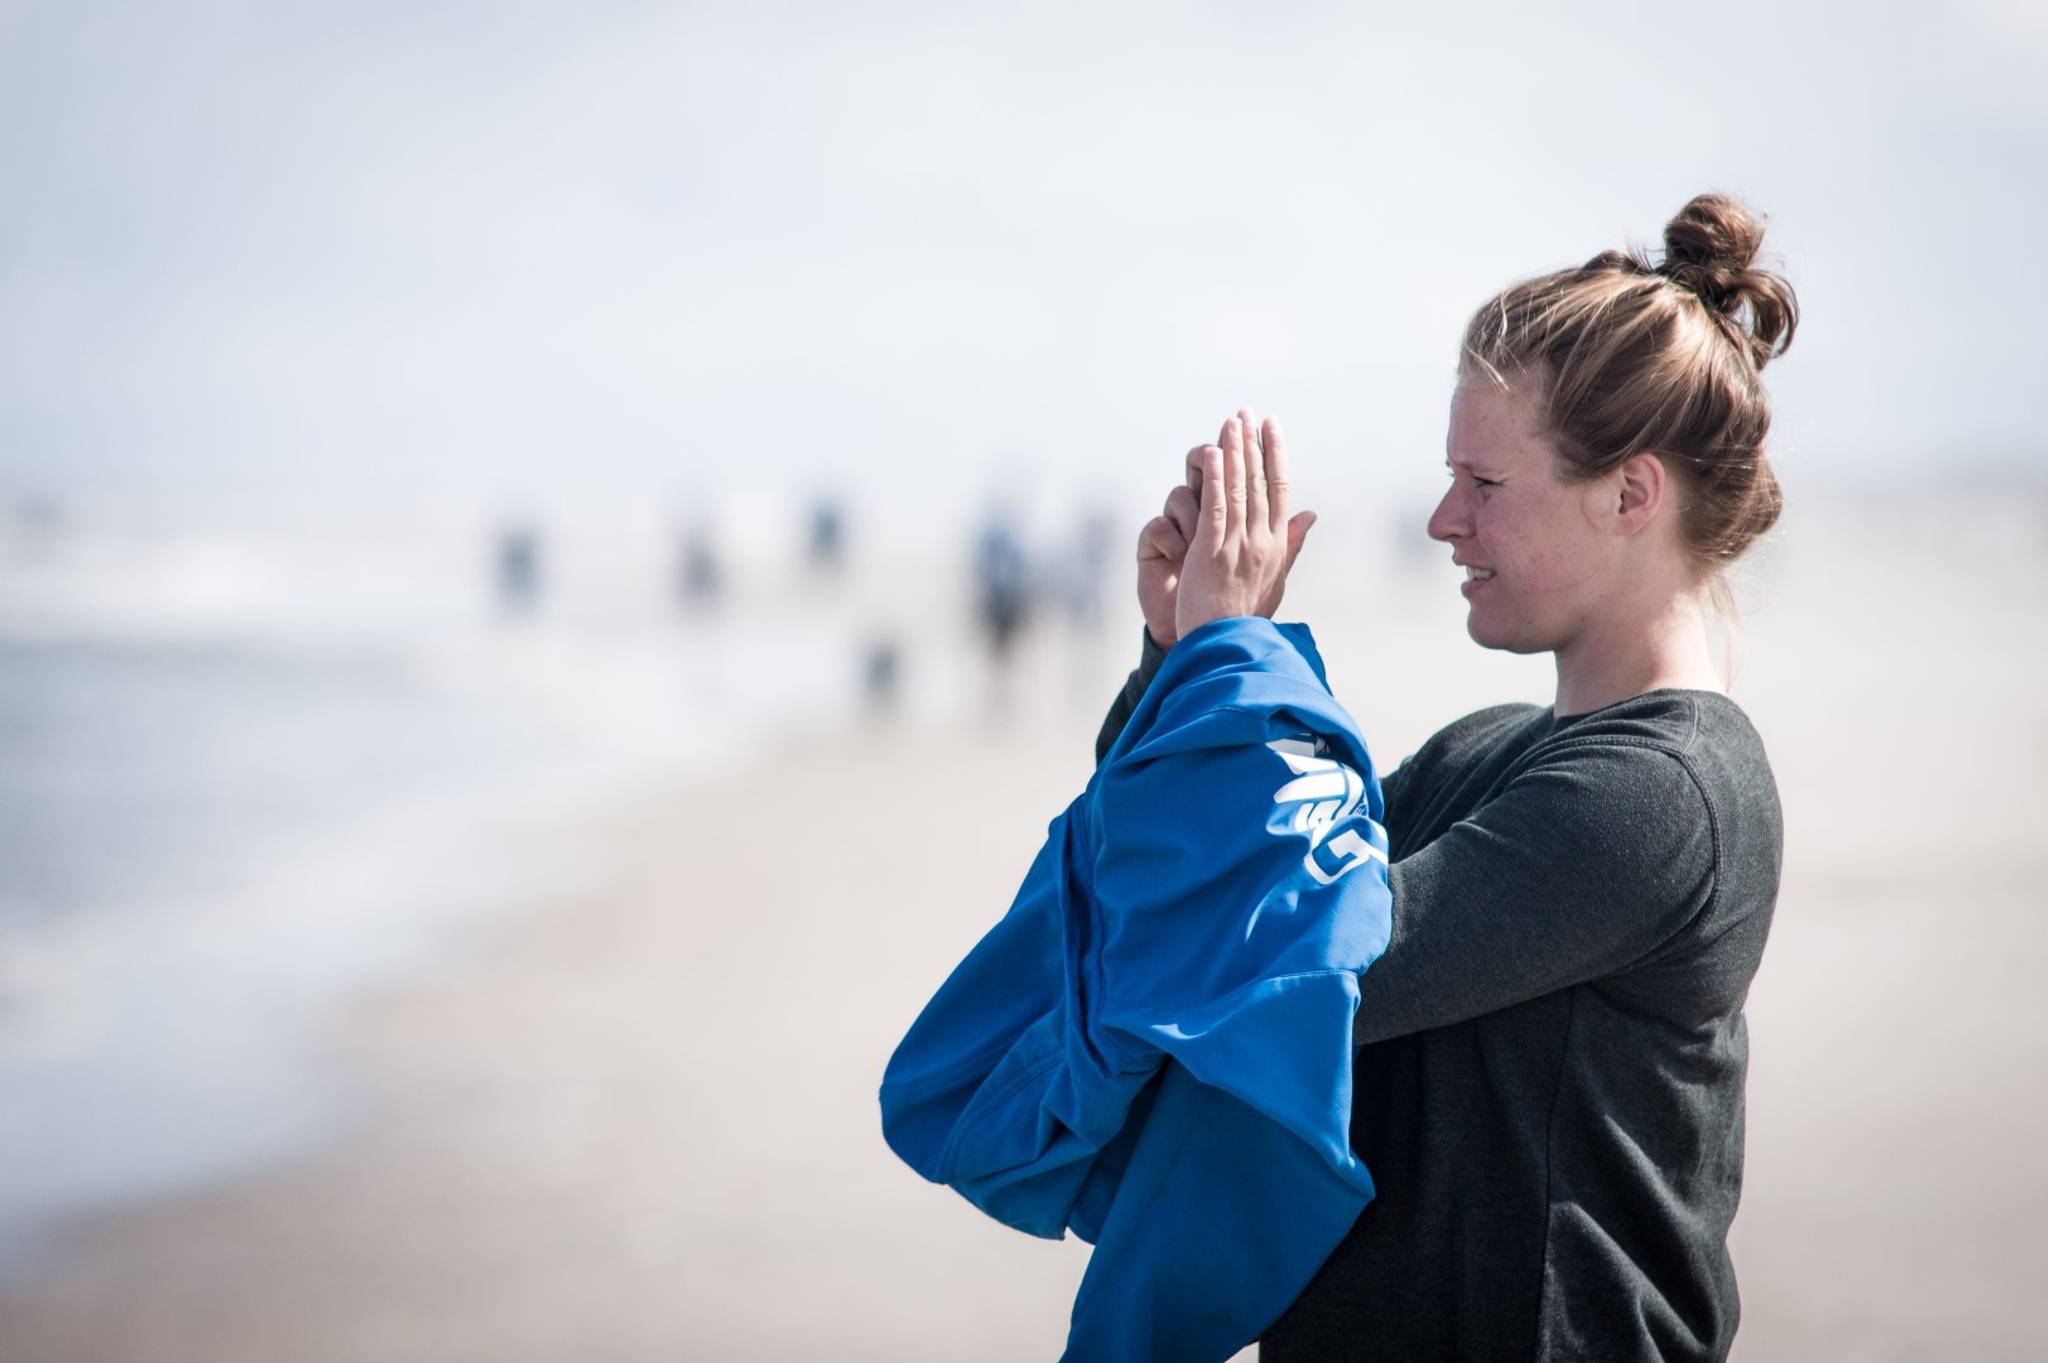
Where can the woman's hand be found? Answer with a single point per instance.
(1244, 542)
(1162, 545)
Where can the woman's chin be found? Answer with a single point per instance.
(1489, 634)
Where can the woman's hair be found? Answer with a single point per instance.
(1632, 356)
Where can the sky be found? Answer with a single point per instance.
(945, 251)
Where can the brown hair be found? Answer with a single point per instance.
(1633, 356)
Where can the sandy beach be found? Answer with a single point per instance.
(639, 1122)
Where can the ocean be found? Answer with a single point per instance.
(248, 773)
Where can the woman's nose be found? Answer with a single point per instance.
(1449, 520)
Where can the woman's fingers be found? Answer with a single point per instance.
(1184, 509)
(1297, 535)
(1258, 520)
(1245, 535)
(1161, 538)
(1215, 523)
(1233, 481)
(1277, 489)
(1251, 457)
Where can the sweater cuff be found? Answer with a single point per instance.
(1150, 659)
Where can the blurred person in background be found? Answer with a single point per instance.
(1002, 578)
(518, 567)
(881, 674)
(700, 573)
(825, 540)
(1549, 1083)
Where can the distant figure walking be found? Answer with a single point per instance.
(882, 674)
(1002, 575)
(518, 568)
(700, 576)
(826, 545)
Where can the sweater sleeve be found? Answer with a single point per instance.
(1390, 789)
(1150, 658)
(1582, 866)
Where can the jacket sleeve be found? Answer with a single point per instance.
(1583, 866)
(987, 1092)
(1239, 874)
(1151, 1048)
(1150, 656)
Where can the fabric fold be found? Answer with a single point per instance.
(1152, 1048)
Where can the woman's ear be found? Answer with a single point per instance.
(1640, 490)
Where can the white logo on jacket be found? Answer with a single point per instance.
(1325, 793)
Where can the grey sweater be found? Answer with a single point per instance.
(1548, 1087)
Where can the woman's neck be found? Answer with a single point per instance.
(1621, 658)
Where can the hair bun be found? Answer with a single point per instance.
(1709, 249)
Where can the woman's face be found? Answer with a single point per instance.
(1510, 513)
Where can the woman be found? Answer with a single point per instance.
(1550, 1081)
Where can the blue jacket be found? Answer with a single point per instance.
(1152, 1048)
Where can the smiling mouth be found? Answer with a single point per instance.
(1478, 574)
